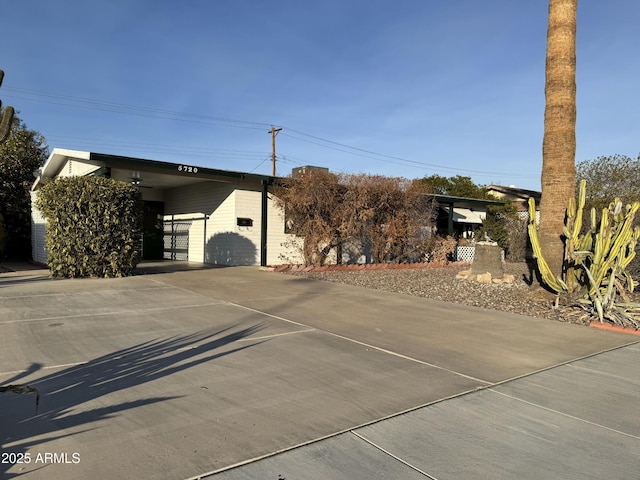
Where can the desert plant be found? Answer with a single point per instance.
(330, 211)
(518, 239)
(596, 260)
(442, 248)
(93, 226)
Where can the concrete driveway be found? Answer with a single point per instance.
(186, 374)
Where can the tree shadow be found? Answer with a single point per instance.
(9, 281)
(230, 248)
(534, 274)
(63, 393)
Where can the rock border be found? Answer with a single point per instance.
(486, 277)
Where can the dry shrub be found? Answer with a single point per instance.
(330, 211)
(519, 245)
(442, 248)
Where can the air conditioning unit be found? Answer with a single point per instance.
(299, 171)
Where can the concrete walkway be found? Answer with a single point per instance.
(186, 374)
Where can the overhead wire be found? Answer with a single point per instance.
(114, 107)
(122, 108)
(390, 158)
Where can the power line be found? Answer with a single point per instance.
(392, 159)
(122, 108)
(114, 107)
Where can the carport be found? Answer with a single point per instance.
(466, 213)
(191, 213)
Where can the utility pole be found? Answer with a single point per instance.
(274, 131)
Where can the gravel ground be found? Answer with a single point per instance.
(440, 283)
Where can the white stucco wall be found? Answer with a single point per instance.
(208, 213)
(220, 240)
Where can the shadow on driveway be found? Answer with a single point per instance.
(63, 393)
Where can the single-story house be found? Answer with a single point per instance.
(518, 196)
(461, 216)
(191, 213)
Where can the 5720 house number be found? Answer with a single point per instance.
(187, 169)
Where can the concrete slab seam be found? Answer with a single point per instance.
(562, 364)
(409, 410)
(270, 315)
(609, 375)
(395, 457)
(573, 417)
(64, 365)
(373, 347)
(100, 314)
(193, 347)
(406, 357)
(334, 434)
(488, 386)
(275, 335)
(90, 292)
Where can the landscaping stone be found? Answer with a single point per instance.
(488, 258)
(484, 277)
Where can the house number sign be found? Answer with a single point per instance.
(187, 169)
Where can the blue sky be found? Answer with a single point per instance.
(406, 88)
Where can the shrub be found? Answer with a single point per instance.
(595, 270)
(497, 225)
(385, 215)
(519, 246)
(94, 226)
(442, 249)
(494, 227)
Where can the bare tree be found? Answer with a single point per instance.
(389, 216)
(313, 208)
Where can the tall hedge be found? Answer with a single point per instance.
(94, 226)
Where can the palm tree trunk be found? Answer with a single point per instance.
(559, 142)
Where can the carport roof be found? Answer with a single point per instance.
(464, 202)
(154, 172)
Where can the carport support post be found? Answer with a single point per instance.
(450, 220)
(263, 224)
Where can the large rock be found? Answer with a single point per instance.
(487, 258)
(484, 278)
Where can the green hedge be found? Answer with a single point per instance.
(93, 226)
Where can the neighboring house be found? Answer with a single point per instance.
(461, 216)
(191, 213)
(519, 197)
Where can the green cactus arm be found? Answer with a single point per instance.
(548, 277)
(622, 239)
(603, 237)
(596, 298)
(631, 284)
(582, 198)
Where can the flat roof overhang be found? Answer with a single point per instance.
(151, 173)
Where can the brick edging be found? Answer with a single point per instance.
(614, 328)
(359, 267)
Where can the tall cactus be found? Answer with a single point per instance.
(596, 260)
(7, 117)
